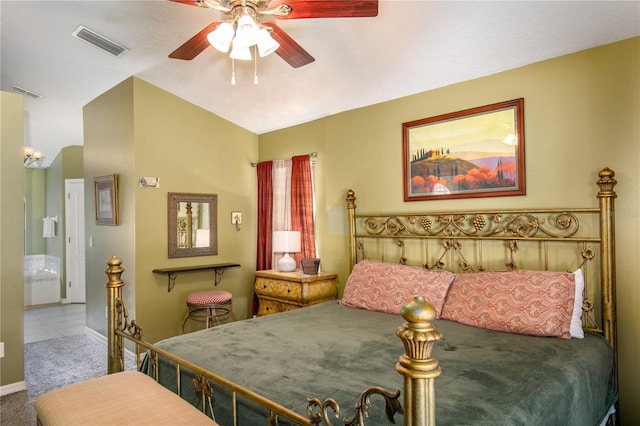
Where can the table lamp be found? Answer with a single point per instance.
(286, 242)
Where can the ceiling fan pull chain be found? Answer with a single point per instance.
(255, 67)
(233, 72)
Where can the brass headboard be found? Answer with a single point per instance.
(542, 239)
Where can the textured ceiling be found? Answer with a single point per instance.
(410, 47)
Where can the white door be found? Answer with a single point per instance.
(74, 225)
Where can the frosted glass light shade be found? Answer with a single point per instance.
(266, 43)
(221, 37)
(247, 31)
(240, 51)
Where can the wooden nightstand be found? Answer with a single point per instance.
(284, 291)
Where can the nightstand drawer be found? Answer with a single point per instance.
(284, 291)
(279, 289)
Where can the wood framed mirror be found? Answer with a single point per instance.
(192, 224)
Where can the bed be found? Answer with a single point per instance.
(448, 318)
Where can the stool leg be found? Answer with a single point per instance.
(184, 321)
(231, 314)
(208, 320)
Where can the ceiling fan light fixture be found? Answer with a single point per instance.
(240, 51)
(221, 37)
(266, 43)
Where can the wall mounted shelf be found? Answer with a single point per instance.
(172, 273)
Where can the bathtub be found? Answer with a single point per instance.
(41, 279)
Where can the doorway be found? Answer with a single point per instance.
(74, 241)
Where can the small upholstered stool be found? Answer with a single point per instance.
(209, 306)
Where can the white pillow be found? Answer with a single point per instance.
(576, 324)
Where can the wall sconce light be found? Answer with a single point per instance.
(236, 219)
(30, 156)
(286, 242)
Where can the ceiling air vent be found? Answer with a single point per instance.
(26, 92)
(99, 41)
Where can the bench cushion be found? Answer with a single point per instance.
(126, 398)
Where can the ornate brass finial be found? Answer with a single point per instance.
(351, 199)
(418, 310)
(114, 271)
(418, 334)
(606, 182)
(416, 364)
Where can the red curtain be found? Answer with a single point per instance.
(302, 218)
(265, 211)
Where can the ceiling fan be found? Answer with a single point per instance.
(239, 12)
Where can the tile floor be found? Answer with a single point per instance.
(51, 321)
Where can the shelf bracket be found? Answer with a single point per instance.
(218, 276)
(171, 278)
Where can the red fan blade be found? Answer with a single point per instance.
(289, 50)
(209, 4)
(195, 45)
(191, 3)
(328, 8)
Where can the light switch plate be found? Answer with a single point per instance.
(236, 218)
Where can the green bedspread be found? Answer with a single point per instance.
(328, 350)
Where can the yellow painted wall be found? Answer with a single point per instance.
(136, 129)
(109, 148)
(11, 240)
(190, 150)
(582, 113)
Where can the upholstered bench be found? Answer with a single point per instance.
(126, 398)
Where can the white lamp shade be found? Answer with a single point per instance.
(286, 241)
(266, 44)
(240, 51)
(221, 37)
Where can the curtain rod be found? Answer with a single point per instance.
(312, 155)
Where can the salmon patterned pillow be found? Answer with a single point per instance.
(386, 287)
(538, 303)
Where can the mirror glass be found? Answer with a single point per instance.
(193, 220)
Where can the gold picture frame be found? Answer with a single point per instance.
(106, 199)
(478, 152)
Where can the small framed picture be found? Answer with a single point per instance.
(106, 195)
(473, 153)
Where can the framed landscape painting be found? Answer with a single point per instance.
(106, 199)
(478, 152)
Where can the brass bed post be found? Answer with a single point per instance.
(606, 197)
(416, 365)
(351, 210)
(115, 344)
(189, 242)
